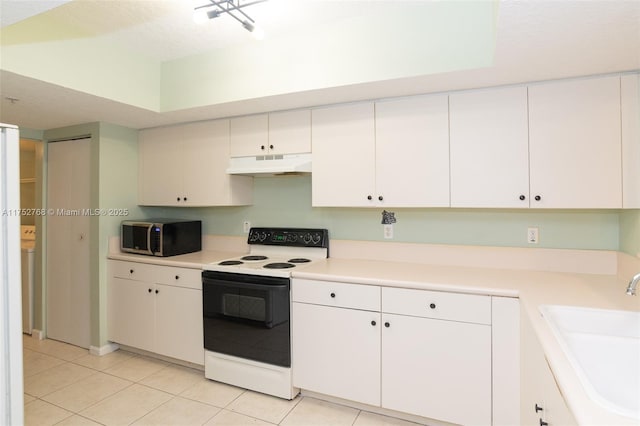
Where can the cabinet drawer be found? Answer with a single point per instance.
(179, 277)
(356, 296)
(438, 305)
(130, 270)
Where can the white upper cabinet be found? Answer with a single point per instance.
(186, 165)
(575, 144)
(412, 152)
(630, 93)
(392, 153)
(343, 165)
(276, 133)
(489, 148)
(249, 135)
(290, 132)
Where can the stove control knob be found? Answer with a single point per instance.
(292, 238)
(316, 238)
(263, 236)
(253, 237)
(306, 238)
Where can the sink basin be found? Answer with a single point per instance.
(603, 347)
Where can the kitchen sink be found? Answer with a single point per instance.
(603, 347)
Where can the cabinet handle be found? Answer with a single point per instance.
(178, 199)
(262, 147)
(131, 271)
(184, 199)
(150, 290)
(333, 295)
(538, 408)
(538, 198)
(543, 423)
(386, 324)
(380, 198)
(522, 198)
(157, 291)
(432, 305)
(369, 197)
(270, 146)
(177, 277)
(373, 323)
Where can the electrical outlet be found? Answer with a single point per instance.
(532, 235)
(388, 231)
(246, 226)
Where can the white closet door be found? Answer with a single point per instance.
(67, 242)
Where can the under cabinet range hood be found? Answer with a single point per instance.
(270, 165)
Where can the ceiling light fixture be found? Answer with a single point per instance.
(214, 8)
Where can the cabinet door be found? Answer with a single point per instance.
(131, 313)
(249, 135)
(630, 93)
(290, 132)
(336, 352)
(206, 158)
(343, 167)
(412, 152)
(575, 148)
(178, 323)
(437, 369)
(489, 148)
(161, 167)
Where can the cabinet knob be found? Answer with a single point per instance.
(432, 305)
(131, 271)
(369, 197)
(543, 423)
(262, 147)
(380, 198)
(386, 324)
(538, 198)
(373, 323)
(538, 408)
(270, 146)
(333, 295)
(522, 198)
(150, 290)
(184, 199)
(177, 277)
(157, 291)
(178, 199)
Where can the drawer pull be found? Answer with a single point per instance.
(432, 306)
(131, 271)
(538, 408)
(543, 423)
(150, 290)
(373, 323)
(177, 277)
(386, 324)
(157, 291)
(333, 295)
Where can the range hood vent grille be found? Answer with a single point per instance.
(270, 165)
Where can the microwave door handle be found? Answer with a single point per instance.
(149, 248)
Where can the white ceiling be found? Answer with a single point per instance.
(536, 40)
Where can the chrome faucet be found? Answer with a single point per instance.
(631, 289)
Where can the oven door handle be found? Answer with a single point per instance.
(245, 285)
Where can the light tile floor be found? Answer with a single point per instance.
(64, 385)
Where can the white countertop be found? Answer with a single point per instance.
(533, 287)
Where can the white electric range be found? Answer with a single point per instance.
(247, 305)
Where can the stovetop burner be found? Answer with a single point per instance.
(299, 260)
(254, 257)
(279, 265)
(230, 262)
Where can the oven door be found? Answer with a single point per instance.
(247, 316)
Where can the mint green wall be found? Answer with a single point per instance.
(630, 232)
(286, 201)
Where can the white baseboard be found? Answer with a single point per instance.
(37, 334)
(104, 349)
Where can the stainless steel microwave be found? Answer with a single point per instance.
(161, 237)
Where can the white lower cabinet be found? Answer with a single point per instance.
(156, 309)
(424, 353)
